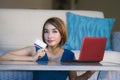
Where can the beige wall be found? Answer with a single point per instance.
(32, 4)
(109, 7)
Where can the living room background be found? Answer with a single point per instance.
(109, 7)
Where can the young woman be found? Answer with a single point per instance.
(54, 35)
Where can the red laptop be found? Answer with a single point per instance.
(92, 49)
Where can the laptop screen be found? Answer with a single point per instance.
(92, 49)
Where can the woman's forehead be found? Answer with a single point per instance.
(50, 27)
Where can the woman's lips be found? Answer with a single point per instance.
(50, 41)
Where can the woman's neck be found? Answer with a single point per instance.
(55, 53)
(55, 50)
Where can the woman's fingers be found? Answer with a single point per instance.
(41, 53)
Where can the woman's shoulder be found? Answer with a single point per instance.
(68, 55)
(68, 51)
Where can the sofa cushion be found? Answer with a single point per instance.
(14, 75)
(80, 26)
(4, 51)
(115, 41)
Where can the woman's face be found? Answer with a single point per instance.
(51, 35)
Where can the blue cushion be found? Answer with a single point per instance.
(80, 26)
(14, 75)
(3, 51)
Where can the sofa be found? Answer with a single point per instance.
(20, 27)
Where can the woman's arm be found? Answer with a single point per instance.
(85, 76)
(24, 54)
(72, 75)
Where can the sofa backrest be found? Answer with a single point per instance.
(20, 27)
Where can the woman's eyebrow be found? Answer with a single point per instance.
(52, 29)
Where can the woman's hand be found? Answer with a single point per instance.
(86, 75)
(39, 54)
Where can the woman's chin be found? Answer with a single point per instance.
(52, 45)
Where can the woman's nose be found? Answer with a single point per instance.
(50, 35)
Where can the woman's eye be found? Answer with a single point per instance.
(45, 31)
(55, 31)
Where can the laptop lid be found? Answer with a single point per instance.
(92, 49)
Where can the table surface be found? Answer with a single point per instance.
(110, 62)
